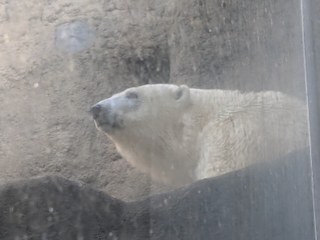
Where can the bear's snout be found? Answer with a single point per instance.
(95, 111)
(100, 111)
(104, 118)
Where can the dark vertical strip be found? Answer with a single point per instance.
(312, 103)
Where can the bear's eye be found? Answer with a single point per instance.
(131, 95)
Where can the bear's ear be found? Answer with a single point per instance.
(182, 94)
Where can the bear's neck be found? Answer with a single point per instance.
(167, 155)
(208, 104)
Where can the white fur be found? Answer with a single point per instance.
(179, 135)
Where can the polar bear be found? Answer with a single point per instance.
(179, 135)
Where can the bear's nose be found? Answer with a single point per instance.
(95, 110)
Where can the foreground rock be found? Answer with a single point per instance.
(271, 201)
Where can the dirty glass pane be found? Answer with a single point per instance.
(194, 119)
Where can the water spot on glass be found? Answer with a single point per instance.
(25, 197)
(191, 21)
(71, 66)
(22, 58)
(73, 37)
(6, 38)
(80, 237)
(43, 236)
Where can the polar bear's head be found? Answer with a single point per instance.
(147, 126)
(141, 108)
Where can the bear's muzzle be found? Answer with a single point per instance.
(95, 111)
(104, 118)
